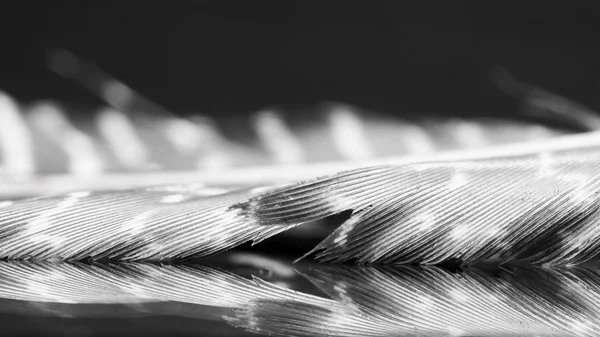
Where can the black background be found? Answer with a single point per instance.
(238, 56)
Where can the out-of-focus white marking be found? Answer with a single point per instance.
(348, 133)
(173, 198)
(83, 156)
(416, 140)
(262, 189)
(122, 138)
(16, 144)
(536, 132)
(213, 146)
(63, 62)
(277, 138)
(200, 139)
(135, 225)
(468, 134)
(458, 180)
(211, 191)
(117, 93)
(6, 203)
(185, 136)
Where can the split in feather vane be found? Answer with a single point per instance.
(356, 301)
(406, 301)
(539, 209)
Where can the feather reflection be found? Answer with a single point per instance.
(408, 301)
(317, 300)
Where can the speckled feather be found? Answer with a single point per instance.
(538, 209)
(141, 224)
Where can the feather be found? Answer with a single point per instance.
(406, 301)
(536, 206)
(138, 135)
(268, 174)
(141, 224)
(354, 301)
(538, 102)
(537, 209)
(74, 289)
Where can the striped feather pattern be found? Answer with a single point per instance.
(135, 134)
(113, 141)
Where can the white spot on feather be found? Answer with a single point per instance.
(546, 165)
(117, 93)
(135, 225)
(53, 241)
(425, 220)
(44, 292)
(347, 227)
(460, 231)
(456, 332)
(458, 180)
(425, 303)
(173, 198)
(6, 203)
(42, 221)
(459, 295)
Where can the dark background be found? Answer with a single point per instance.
(239, 56)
